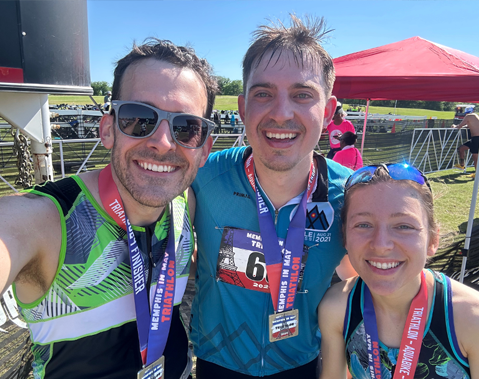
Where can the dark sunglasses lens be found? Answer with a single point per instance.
(137, 120)
(363, 175)
(189, 131)
(405, 172)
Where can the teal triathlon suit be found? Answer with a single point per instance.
(229, 320)
(85, 325)
(440, 355)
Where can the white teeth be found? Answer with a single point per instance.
(281, 135)
(384, 266)
(156, 168)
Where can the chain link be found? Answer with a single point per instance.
(24, 159)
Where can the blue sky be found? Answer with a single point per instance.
(220, 31)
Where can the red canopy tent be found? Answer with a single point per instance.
(412, 69)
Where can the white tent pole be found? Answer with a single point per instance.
(470, 221)
(364, 127)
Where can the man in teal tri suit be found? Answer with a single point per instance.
(267, 220)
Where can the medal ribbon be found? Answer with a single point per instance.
(152, 329)
(283, 268)
(411, 340)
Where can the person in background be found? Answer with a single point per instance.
(107, 101)
(233, 120)
(349, 156)
(254, 313)
(471, 120)
(396, 320)
(217, 120)
(84, 278)
(336, 128)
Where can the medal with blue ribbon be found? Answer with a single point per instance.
(283, 263)
(153, 326)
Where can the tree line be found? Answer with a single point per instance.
(230, 87)
(226, 87)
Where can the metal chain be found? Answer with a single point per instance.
(24, 159)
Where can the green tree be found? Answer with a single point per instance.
(100, 88)
(222, 83)
(229, 87)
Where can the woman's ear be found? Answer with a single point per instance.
(433, 243)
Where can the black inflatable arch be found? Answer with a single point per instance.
(44, 47)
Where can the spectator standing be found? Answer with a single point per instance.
(349, 156)
(107, 101)
(336, 128)
(472, 122)
(217, 120)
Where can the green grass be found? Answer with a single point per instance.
(231, 103)
(408, 112)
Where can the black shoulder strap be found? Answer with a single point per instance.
(321, 193)
(354, 311)
(65, 191)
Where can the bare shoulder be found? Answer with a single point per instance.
(30, 241)
(465, 302)
(333, 305)
(26, 208)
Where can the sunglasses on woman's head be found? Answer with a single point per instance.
(139, 120)
(397, 171)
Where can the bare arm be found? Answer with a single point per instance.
(463, 122)
(30, 242)
(466, 323)
(345, 270)
(331, 313)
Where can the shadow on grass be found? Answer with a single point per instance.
(463, 227)
(453, 178)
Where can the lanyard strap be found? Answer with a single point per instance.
(152, 329)
(283, 262)
(411, 340)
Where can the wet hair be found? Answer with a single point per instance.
(349, 138)
(381, 176)
(301, 39)
(164, 50)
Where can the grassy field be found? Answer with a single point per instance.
(231, 103)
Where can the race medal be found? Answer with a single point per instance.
(156, 370)
(283, 325)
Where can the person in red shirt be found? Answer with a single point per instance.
(336, 128)
(349, 156)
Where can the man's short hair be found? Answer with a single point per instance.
(167, 51)
(301, 39)
(349, 138)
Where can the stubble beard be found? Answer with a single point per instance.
(280, 165)
(153, 193)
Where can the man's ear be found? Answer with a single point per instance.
(107, 133)
(241, 106)
(205, 151)
(329, 110)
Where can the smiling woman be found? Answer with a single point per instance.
(392, 320)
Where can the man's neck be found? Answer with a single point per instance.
(139, 215)
(282, 186)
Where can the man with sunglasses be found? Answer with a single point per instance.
(268, 227)
(100, 261)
